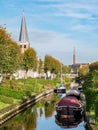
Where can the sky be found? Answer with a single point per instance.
(55, 27)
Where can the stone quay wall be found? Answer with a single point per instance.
(9, 112)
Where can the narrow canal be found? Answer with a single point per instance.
(41, 116)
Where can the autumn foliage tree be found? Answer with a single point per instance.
(83, 71)
(10, 55)
(66, 69)
(40, 66)
(51, 64)
(93, 66)
(30, 59)
(4, 36)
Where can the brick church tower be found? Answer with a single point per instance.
(23, 38)
(74, 56)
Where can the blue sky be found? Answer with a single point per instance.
(55, 27)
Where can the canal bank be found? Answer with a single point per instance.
(90, 122)
(40, 116)
(11, 111)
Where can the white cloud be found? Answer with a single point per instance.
(52, 40)
(60, 46)
(67, 21)
(84, 28)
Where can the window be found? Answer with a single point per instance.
(24, 46)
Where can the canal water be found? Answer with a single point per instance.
(41, 116)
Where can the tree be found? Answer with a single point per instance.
(30, 59)
(4, 36)
(90, 90)
(51, 64)
(66, 69)
(93, 66)
(10, 55)
(40, 66)
(83, 71)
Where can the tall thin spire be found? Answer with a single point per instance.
(23, 38)
(23, 31)
(74, 56)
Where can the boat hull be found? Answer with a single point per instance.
(70, 106)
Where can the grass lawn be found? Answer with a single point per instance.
(3, 105)
(13, 91)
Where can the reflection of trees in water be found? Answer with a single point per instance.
(30, 119)
(50, 106)
(24, 121)
(27, 120)
(14, 124)
(49, 109)
(40, 106)
(41, 112)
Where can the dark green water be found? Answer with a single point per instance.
(40, 116)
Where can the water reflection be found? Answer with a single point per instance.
(41, 116)
(69, 122)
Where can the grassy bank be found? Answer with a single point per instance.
(15, 90)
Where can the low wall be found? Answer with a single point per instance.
(14, 109)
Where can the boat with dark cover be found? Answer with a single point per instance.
(71, 106)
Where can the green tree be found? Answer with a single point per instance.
(90, 89)
(93, 66)
(40, 66)
(66, 69)
(30, 59)
(4, 36)
(10, 55)
(51, 64)
(83, 71)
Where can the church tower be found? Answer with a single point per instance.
(74, 56)
(23, 38)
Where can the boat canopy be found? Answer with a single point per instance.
(69, 101)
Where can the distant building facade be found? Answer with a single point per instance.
(75, 66)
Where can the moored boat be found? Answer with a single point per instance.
(71, 106)
(60, 89)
